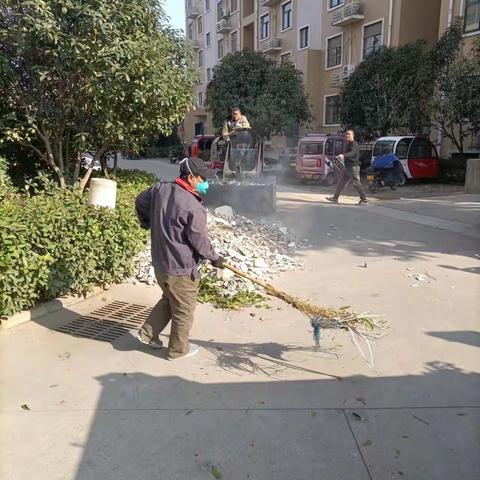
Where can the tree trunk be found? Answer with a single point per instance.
(86, 177)
(76, 172)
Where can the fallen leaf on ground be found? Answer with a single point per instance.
(25, 407)
(216, 472)
(366, 443)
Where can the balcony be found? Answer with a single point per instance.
(340, 78)
(270, 3)
(224, 26)
(350, 13)
(195, 44)
(272, 46)
(193, 13)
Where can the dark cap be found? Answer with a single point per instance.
(195, 166)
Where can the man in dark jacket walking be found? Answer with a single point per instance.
(177, 219)
(351, 158)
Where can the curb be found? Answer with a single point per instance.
(43, 309)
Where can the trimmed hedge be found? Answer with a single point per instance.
(52, 243)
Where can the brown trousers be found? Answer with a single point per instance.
(178, 305)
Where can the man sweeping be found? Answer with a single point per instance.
(177, 219)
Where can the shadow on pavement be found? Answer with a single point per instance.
(148, 427)
(467, 337)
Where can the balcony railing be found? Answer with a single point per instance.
(272, 45)
(195, 44)
(340, 78)
(270, 3)
(350, 13)
(224, 25)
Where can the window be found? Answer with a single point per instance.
(234, 5)
(200, 58)
(334, 3)
(286, 15)
(472, 16)
(311, 148)
(234, 40)
(219, 10)
(200, 99)
(338, 146)
(200, 25)
(209, 74)
(220, 48)
(207, 39)
(329, 148)
(331, 110)
(190, 31)
(207, 5)
(334, 51)
(372, 38)
(264, 26)
(304, 37)
(285, 57)
(383, 147)
(402, 148)
(420, 148)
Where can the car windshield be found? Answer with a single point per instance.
(311, 148)
(383, 147)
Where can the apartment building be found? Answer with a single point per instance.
(325, 39)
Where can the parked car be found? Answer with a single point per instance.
(315, 158)
(417, 155)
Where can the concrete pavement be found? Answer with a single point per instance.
(258, 402)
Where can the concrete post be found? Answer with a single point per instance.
(472, 177)
(102, 193)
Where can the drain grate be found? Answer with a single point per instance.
(108, 322)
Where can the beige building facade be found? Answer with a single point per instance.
(325, 39)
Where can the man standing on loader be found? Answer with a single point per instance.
(236, 123)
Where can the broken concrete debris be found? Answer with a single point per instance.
(256, 247)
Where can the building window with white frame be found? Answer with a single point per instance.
(234, 41)
(304, 37)
(286, 15)
(334, 51)
(286, 57)
(331, 113)
(264, 26)
(219, 10)
(234, 5)
(220, 48)
(472, 16)
(372, 38)
(208, 39)
(200, 25)
(209, 74)
(335, 3)
(190, 31)
(200, 99)
(200, 58)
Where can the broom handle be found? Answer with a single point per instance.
(244, 275)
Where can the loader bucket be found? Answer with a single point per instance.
(247, 196)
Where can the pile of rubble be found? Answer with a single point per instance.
(255, 247)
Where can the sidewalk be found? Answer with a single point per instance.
(258, 402)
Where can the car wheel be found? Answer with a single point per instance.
(403, 180)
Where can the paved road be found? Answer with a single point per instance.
(258, 403)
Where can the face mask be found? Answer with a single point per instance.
(202, 187)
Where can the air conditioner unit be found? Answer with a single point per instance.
(226, 13)
(347, 70)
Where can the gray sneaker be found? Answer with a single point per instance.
(150, 342)
(363, 202)
(193, 350)
(332, 199)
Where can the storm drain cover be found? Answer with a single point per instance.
(108, 322)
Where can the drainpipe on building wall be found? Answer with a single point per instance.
(390, 23)
(450, 12)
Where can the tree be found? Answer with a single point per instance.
(386, 91)
(89, 75)
(456, 106)
(272, 96)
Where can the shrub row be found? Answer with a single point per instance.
(52, 243)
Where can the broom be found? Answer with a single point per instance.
(358, 325)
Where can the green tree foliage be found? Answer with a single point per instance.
(456, 106)
(396, 90)
(89, 75)
(272, 96)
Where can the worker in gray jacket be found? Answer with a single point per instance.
(177, 219)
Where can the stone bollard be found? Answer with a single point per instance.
(103, 192)
(472, 176)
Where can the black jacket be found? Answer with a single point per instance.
(351, 154)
